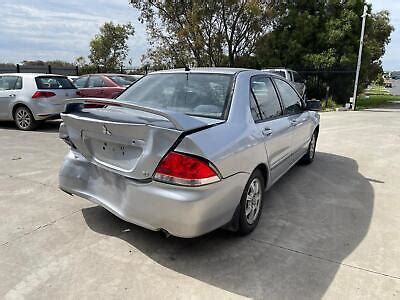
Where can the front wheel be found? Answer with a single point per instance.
(251, 204)
(24, 118)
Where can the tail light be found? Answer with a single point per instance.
(183, 169)
(39, 94)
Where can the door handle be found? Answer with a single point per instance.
(293, 122)
(12, 95)
(267, 131)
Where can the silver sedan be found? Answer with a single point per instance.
(188, 151)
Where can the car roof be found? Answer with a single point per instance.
(277, 69)
(31, 74)
(216, 70)
(107, 74)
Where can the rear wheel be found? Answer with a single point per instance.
(251, 204)
(24, 119)
(309, 156)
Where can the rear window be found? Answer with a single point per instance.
(197, 94)
(53, 83)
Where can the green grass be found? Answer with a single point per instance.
(329, 104)
(377, 90)
(374, 100)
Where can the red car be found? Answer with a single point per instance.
(103, 85)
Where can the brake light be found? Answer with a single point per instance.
(39, 94)
(183, 169)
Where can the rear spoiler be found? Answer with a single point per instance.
(180, 121)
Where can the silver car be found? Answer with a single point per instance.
(188, 151)
(29, 98)
(292, 76)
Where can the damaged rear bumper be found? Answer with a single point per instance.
(182, 211)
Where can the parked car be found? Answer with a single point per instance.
(73, 78)
(103, 85)
(388, 84)
(30, 98)
(187, 152)
(291, 76)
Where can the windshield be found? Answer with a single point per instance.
(122, 80)
(198, 94)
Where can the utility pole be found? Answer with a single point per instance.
(364, 16)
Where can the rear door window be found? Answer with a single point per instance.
(81, 82)
(291, 101)
(265, 97)
(53, 83)
(10, 83)
(96, 81)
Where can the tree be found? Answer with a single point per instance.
(203, 33)
(324, 35)
(109, 48)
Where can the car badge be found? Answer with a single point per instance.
(106, 131)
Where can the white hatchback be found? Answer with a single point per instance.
(28, 98)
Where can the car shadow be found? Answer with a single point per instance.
(313, 218)
(45, 126)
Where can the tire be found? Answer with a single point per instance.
(251, 204)
(308, 158)
(24, 119)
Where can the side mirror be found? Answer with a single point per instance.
(314, 105)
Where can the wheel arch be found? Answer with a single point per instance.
(264, 171)
(16, 106)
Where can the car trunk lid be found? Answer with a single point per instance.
(125, 138)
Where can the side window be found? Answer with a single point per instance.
(255, 112)
(96, 81)
(81, 82)
(264, 94)
(291, 76)
(291, 101)
(10, 83)
(297, 78)
(18, 84)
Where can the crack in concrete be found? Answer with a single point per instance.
(26, 179)
(39, 227)
(325, 259)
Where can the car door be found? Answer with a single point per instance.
(298, 117)
(270, 121)
(10, 89)
(80, 84)
(95, 86)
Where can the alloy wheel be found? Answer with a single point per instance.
(253, 201)
(23, 118)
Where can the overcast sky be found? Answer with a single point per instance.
(54, 29)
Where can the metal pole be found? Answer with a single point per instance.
(364, 16)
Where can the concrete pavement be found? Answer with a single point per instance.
(329, 230)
